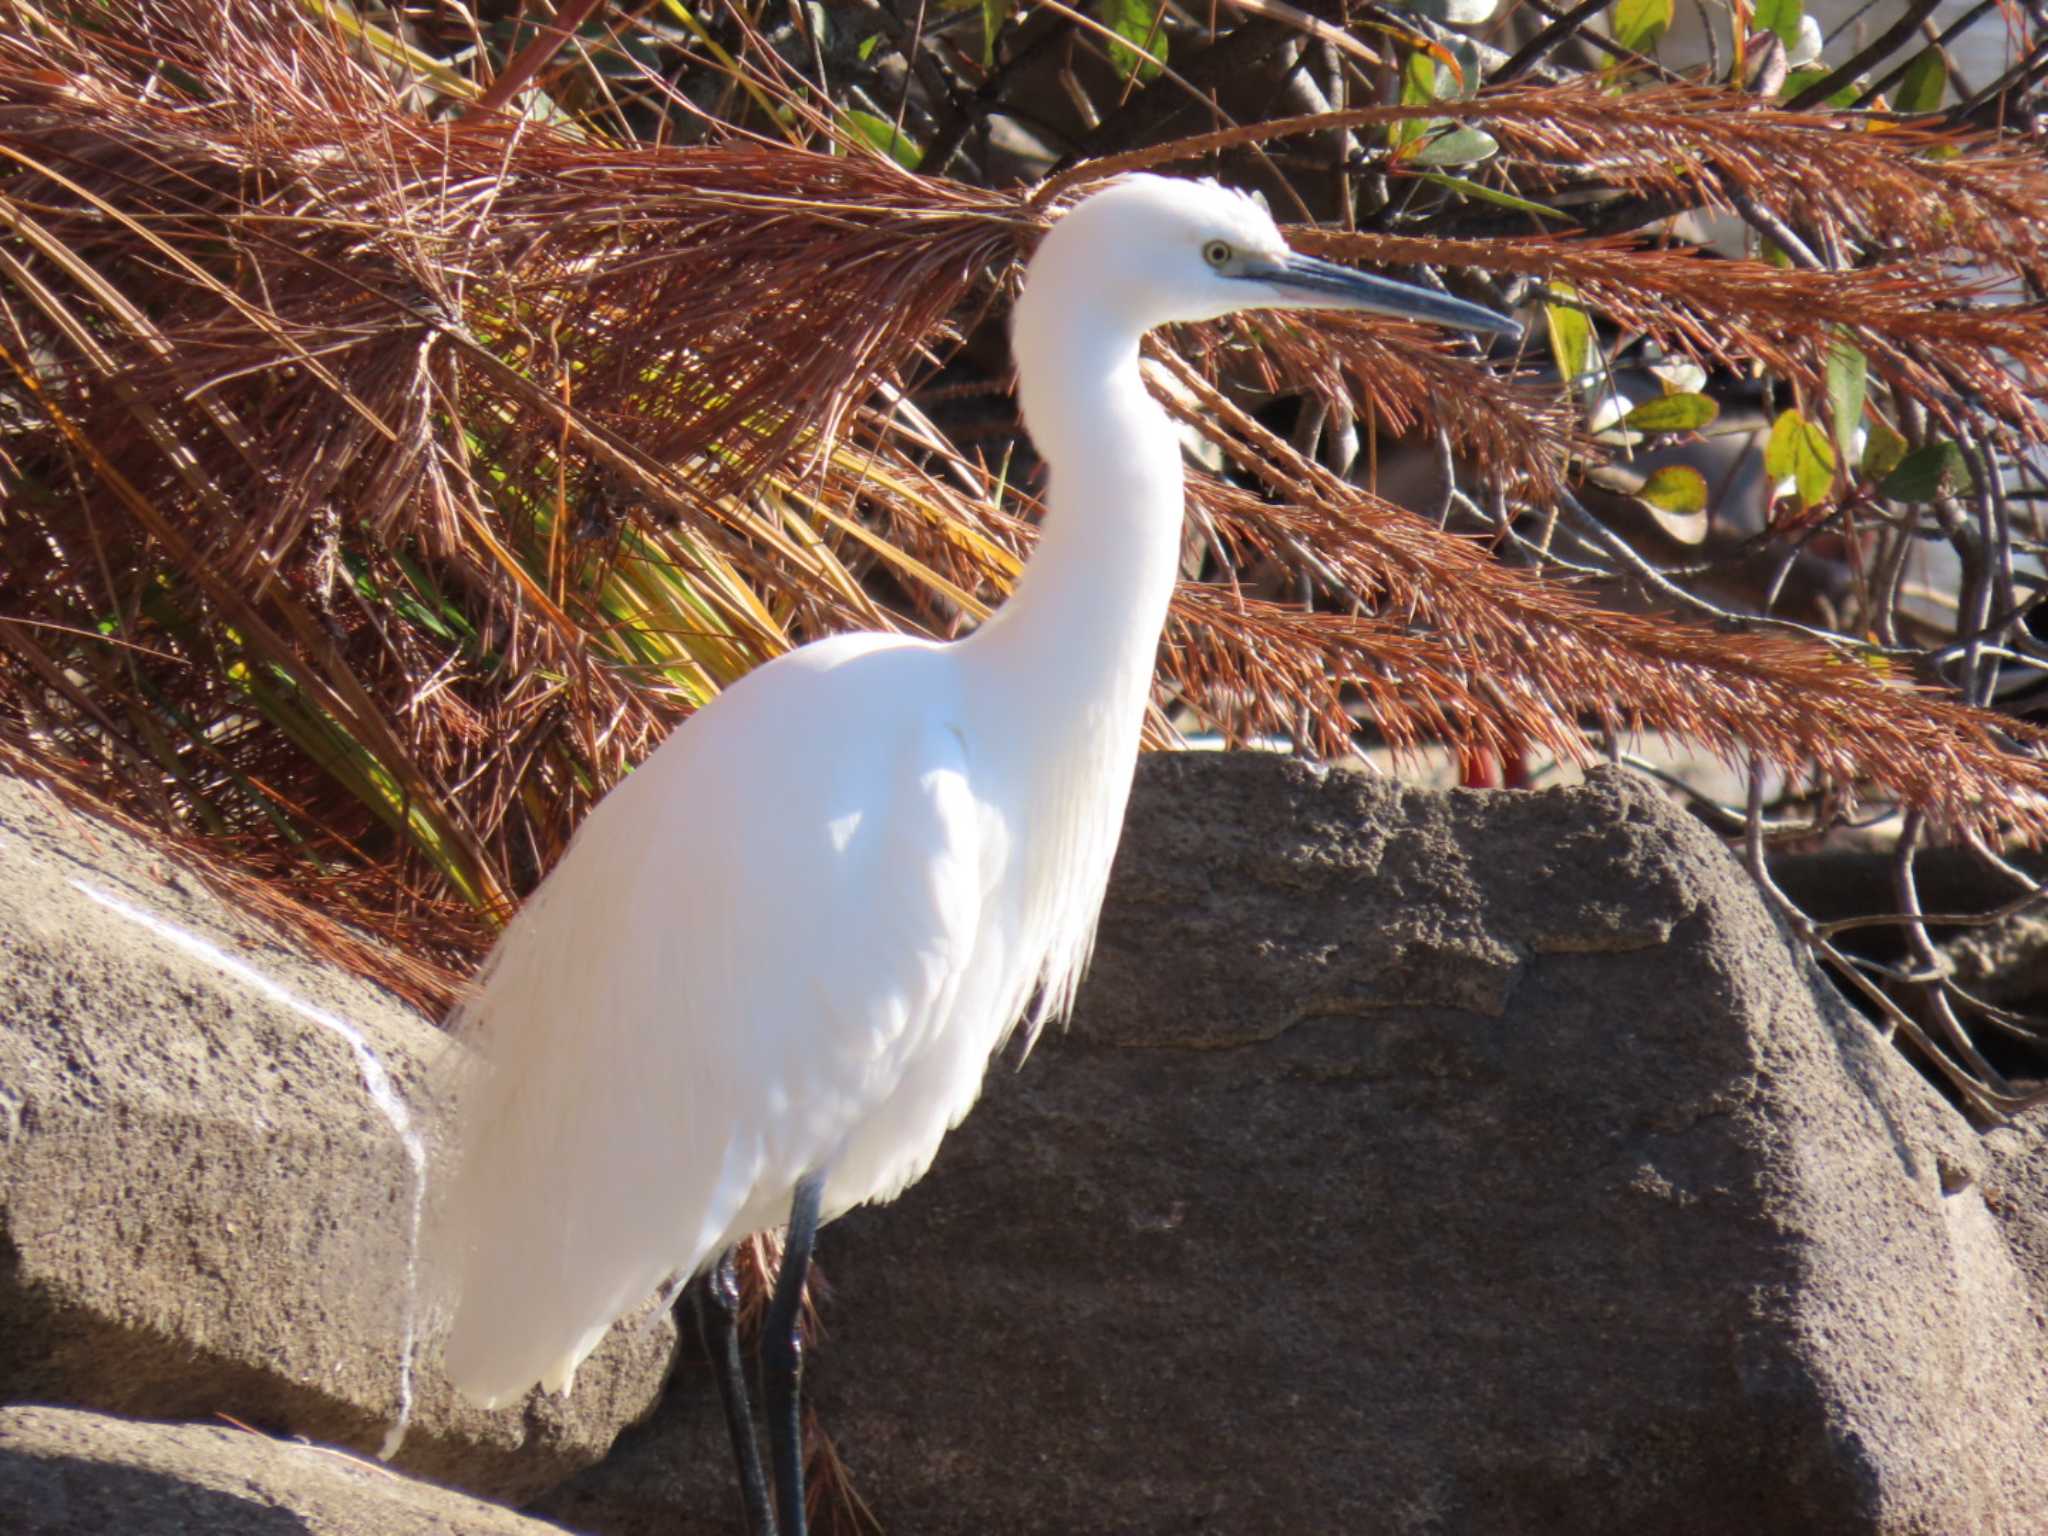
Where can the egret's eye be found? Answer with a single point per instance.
(1217, 253)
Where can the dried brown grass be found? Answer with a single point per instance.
(384, 484)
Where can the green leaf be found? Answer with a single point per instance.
(1458, 146)
(1800, 452)
(865, 49)
(1779, 16)
(1418, 89)
(1676, 488)
(1571, 332)
(1939, 469)
(1800, 78)
(1638, 24)
(1672, 413)
(993, 14)
(1846, 376)
(1418, 80)
(1465, 80)
(1883, 450)
(1140, 24)
(1924, 83)
(1423, 81)
(882, 134)
(1494, 195)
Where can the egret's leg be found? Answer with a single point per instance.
(782, 1355)
(718, 1320)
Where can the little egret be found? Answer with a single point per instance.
(770, 972)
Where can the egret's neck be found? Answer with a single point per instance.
(1090, 605)
(1054, 686)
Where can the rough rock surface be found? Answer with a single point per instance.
(66, 1472)
(1417, 1162)
(202, 1207)
(2015, 1188)
(2005, 963)
(1426, 1162)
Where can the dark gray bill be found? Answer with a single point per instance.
(1344, 288)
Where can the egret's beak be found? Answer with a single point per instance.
(1316, 284)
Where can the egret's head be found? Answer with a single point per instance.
(1159, 250)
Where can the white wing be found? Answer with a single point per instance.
(749, 943)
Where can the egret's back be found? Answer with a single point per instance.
(729, 974)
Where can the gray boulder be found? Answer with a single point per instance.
(205, 1198)
(1417, 1162)
(1425, 1162)
(66, 1472)
(2015, 1189)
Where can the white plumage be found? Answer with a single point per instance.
(792, 940)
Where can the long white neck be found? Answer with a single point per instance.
(1087, 612)
(1066, 664)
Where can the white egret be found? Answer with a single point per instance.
(770, 972)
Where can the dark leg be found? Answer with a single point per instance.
(782, 1355)
(718, 1312)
